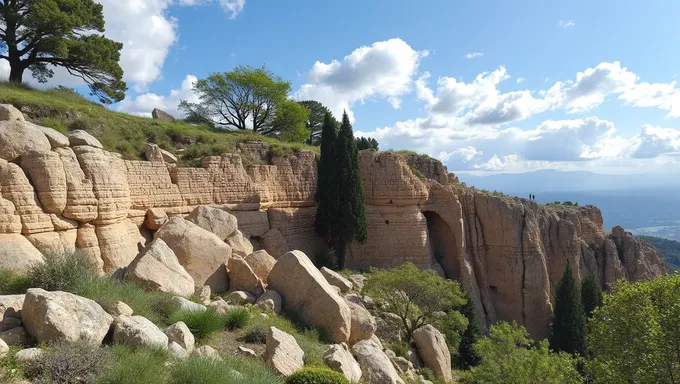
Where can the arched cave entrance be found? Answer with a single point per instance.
(443, 244)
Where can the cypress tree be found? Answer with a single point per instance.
(326, 185)
(467, 357)
(569, 320)
(591, 295)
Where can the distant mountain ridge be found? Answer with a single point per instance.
(670, 249)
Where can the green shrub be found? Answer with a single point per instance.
(316, 375)
(12, 283)
(236, 318)
(230, 370)
(61, 272)
(68, 363)
(135, 366)
(400, 349)
(201, 323)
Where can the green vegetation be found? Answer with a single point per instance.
(316, 375)
(569, 320)
(61, 272)
(10, 369)
(591, 295)
(563, 204)
(315, 119)
(326, 190)
(635, 336)
(509, 356)
(367, 143)
(236, 318)
(229, 370)
(135, 366)
(12, 283)
(202, 324)
(69, 363)
(467, 357)
(37, 35)
(670, 249)
(418, 297)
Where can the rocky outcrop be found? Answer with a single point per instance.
(156, 268)
(283, 353)
(433, 350)
(160, 114)
(138, 331)
(375, 365)
(340, 359)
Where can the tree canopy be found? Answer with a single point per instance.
(315, 120)
(569, 320)
(40, 34)
(326, 191)
(249, 98)
(367, 143)
(591, 295)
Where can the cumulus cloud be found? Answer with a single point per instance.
(472, 55)
(566, 23)
(142, 105)
(653, 141)
(384, 69)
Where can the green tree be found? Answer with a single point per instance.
(40, 34)
(418, 297)
(367, 143)
(467, 357)
(326, 189)
(591, 295)
(248, 98)
(569, 320)
(509, 356)
(315, 120)
(635, 336)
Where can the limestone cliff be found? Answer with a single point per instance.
(56, 196)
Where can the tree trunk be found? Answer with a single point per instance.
(340, 254)
(16, 73)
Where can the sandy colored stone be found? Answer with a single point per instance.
(363, 323)
(17, 189)
(336, 279)
(274, 243)
(81, 204)
(80, 137)
(184, 304)
(433, 350)
(358, 281)
(10, 307)
(159, 114)
(256, 223)
(283, 353)
(204, 293)
(262, 263)
(9, 113)
(87, 242)
(305, 291)
(46, 173)
(156, 268)
(340, 359)
(9, 221)
(119, 244)
(4, 349)
(180, 334)
(56, 139)
(119, 309)
(17, 253)
(138, 331)
(269, 301)
(207, 351)
(50, 243)
(19, 137)
(155, 218)
(240, 298)
(240, 245)
(29, 355)
(151, 186)
(297, 228)
(177, 350)
(242, 277)
(375, 365)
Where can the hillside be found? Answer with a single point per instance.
(670, 249)
(65, 110)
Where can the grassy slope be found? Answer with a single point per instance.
(670, 249)
(127, 134)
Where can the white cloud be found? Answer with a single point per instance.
(655, 141)
(520, 80)
(472, 55)
(383, 70)
(233, 7)
(566, 23)
(142, 105)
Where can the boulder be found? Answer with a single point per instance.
(220, 306)
(4, 349)
(161, 115)
(336, 279)
(214, 220)
(207, 352)
(256, 223)
(283, 355)
(204, 294)
(401, 364)
(138, 331)
(177, 350)
(304, 290)
(56, 139)
(29, 355)
(62, 316)
(156, 268)
(375, 365)
(274, 243)
(119, 309)
(358, 281)
(239, 243)
(179, 333)
(184, 304)
(16, 336)
(240, 298)
(412, 356)
(155, 218)
(340, 359)
(433, 350)
(202, 254)
(262, 263)
(269, 301)
(363, 323)
(242, 277)
(10, 308)
(80, 137)
(19, 137)
(9, 113)
(17, 254)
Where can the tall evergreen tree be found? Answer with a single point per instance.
(569, 320)
(591, 295)
(326, 189)
(467, 356)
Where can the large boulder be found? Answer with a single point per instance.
(239, 243)
(10, 308)
(358, 281)
(16, 336)
(274, 243)
(155, 218)
(214, 220)
(62, 316)
(433, 350)
(340, 359)
(363, 323)
(262, 263)
(156, 268)
(188, 305)
(180, 334)
(56, 139)
(138, 331)
(202, 254)
(336, 279)
(17, 254)
(269, 301)
(9, 113)
(159, 114)
(80, 137)
(375, 365)
(304, 290)
(242, 277)
(19, 137)
(283, 355)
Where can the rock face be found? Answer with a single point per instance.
(157, 268)
(214, 220)
(261, 263)
(375, 365)
(363, 323)
(433, 350)
(283, 353)
(305, 291)
(242, 277)
(62, 316)
(340, 359)
(17, 253)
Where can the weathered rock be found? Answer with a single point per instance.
(433, 350)
(245, 352)
(9, 113)
(274, 243)
(184, 304)
(119, 309)
(179, 333)
(340, 359)
(220, 306)
(62, 316)
(156, 268)
(358, 281)
(204, 294)
(17, 253)
(19, 137)
(29, 355)
(215, 220)
(242, 277)
(56, 139)
(336, 279)
(4, 348)
(10, 309)
(16, 336)
(256, 223)
(283, 353)
(87, 242)
(155, 218)
(240, 298)
(269, 301)
(375, 365)
(363, 323)
(262, 263)
(239, 244)
(159, 114)
(207, 351)
(177, 350)
(138, 331)
(388, 327)
(80, 137)
(414, 358)
(305, 291)
(401, 364)
(202, 254)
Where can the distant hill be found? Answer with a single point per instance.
(670, 249)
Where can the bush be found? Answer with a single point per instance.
(316, 375)
(237, 318)
(400, 349)
(12, 283)
(326, 259)
(132, 366)
(256, 335)
(68, 363)
(230, 370)
(61, 272)
(201, 323)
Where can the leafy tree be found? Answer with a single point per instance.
(635, 336)
(509, 356)
(326, 189)
(367, 143)
(569, 320)
(591, 295)
(467, 357)
(315, 120)
(418, 297)
(249, 98)
(40, 34)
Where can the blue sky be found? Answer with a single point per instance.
(406, 71)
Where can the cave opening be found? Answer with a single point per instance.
(443, 244)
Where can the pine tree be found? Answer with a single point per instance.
(591, 295)
(569, 320)
(467, 357)
(326, 190)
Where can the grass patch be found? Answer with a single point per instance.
(417, 172)
(133, 366)
(12, 283)
(203, 324)
(317, 375)
(236, 318)
(10, 369)
(61, 272)
(69, 363)
(230, 370)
